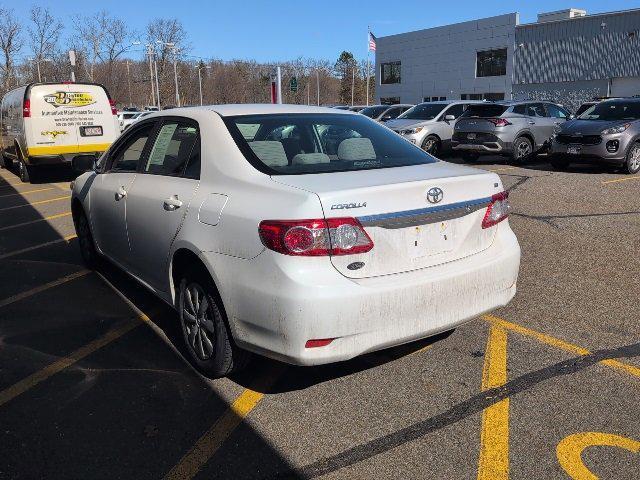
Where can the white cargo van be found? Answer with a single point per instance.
(51, 123)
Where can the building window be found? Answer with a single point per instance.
(482, 96)
(390, 73)
(390, 100)
(491, 63)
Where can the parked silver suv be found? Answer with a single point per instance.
(516, 129)
(607, 132)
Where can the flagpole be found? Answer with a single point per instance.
(368, 68)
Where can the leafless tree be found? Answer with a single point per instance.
(10, 44)
(44, 34)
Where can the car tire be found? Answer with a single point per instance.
(470, 156)
(204, 327)
(25, 172)
(632, 161)
(559, 163)
(522, 150)
(88, 251)
(431, 145)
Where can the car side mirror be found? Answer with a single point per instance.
(83, 163)
(572, 117)
(449, 118)
(386, 118)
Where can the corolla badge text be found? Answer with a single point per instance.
(344, 206)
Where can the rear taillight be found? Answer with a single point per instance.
(26, 108)
(497, 210)
(314, 238)
(499, 122)
(114, 110)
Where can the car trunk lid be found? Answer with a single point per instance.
(408, 231)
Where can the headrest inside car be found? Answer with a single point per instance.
(271, 153)
(353, 149)
(310, 158)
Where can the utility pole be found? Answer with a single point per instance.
(353, 82)
(155, 66)
(129, 83)
(318, 85)
(174, 49)
(368, 69)
(200, 84)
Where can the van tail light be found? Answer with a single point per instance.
(315, 238)
(26, 109)
(497, 210)
(499, 122)
(114, 110)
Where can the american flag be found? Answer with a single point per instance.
(372, 42)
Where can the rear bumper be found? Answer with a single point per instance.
(57, 159)
(491, 145)
(306, 298)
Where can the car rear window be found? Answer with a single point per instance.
(484, 111)
(293, 144)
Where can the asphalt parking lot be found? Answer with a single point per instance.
(93, 381)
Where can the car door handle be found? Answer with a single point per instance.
(531, 122)
(172, 203)
(120, 194)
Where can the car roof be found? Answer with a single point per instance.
(449, 102)
(256, 109)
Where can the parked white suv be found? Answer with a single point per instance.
(430, 125)
(306, 234)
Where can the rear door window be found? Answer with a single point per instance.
(172, 149)
(536, 110)
(520, 109)
(556, 112)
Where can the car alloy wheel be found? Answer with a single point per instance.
(523, 149)
(197, 316)
(633, 159)
(430, 145)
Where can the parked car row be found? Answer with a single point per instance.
(606, 130)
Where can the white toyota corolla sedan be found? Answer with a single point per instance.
(310, 235)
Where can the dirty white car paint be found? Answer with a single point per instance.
(413, 268)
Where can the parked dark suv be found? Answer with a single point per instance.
(515, 129)
(607, 132)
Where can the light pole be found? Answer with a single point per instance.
(173, 47)
(199, 67)
(151, 54)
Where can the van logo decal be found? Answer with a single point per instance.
(344, 206)
(53, 133)
(69, 99)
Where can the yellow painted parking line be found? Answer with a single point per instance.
(34, 379)
(40, 202)
(27, 192)
(504, 169)
(494, 436)
(569, 451)
(30, 222)
(21, 296)
(561, 344)
(214, 438)
(617, 180)
(35, 247)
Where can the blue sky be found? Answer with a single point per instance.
(286, 29)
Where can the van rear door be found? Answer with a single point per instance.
(69, 119)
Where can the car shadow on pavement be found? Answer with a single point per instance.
(86, 390)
